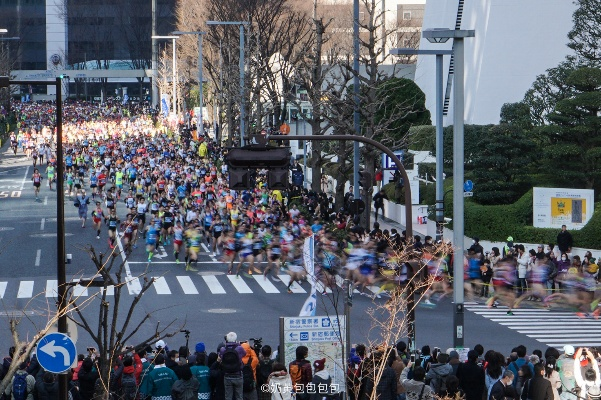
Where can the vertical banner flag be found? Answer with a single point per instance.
(310, 306)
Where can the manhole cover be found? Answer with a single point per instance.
(47, 235)
(201, 273)
(5, 228)
(221, 310)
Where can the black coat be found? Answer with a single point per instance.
(87, 382)
(537, 388)
(564, 241)
(471, 380)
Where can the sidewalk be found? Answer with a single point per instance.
(386, 223)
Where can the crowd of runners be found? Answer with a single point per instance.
(153, 182)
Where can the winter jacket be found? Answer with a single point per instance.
(239, 349)
(280, 386)
(46, 391)
(414, 388)
(305, 369)
(555, 384)
(185, 390)
(537, 388)
(30, 385)
(322, 383)
(523, 260)
(201, 373)
(398, 366)
(254, 359)
(471, 380)
(437, 376)
(158, 382)
(87, 380)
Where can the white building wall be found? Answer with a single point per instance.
(56, 37)
(516, 40)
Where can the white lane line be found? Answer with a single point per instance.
(160, 285)
(51, 288)
(25, 290)
(133, 284)
(79, 291)
(295, 288)
(204, 246)
(213, 284)
(187, 285)
(45, 200)
(25, 177)
(239, 284)
(42, 224)
(110, 290)
(3, 289)
(38, 257)
(266, 285)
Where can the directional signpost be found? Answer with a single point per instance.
(468, 188)
(56, 352)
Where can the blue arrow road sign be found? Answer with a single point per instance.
(56, 352)
(468, 186)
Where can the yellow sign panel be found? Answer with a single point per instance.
(567, 210)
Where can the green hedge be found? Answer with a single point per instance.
(496, 223)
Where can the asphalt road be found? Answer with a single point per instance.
(208, 303)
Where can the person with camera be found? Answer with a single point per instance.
(416, 388)
(230, 360)
(588, 383)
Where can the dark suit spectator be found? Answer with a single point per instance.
(564, 240)
(471, 377)
(538, 388)
(499, 390)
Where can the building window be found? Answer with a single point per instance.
(406, 15)
(407, 43)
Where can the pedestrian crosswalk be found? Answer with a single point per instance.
(551, 327)
(170, 285)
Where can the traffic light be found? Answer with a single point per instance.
(365, 179)
(258, 157)
(242, 161)
(239, 178)
(277, 179)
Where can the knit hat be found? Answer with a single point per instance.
(160, 344)
(200, 347)
(319, 364)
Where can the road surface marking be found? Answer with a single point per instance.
(38, 257)
(295, 288)
(25, 290)
(51, 288)
(25, 177)
(266, 284)
(42, 224)
(187, 286)
(213, 284)
(78, 290)
(160, 285)
(133, 284)
(239, 284)
(204, 246)
(2, 289)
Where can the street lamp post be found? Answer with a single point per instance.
(441, 36)
(174, 67)
(200, 67)
(241, 66)
(439, 129)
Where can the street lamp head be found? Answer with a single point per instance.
(3, 30)
(164, 37)
(442, 35)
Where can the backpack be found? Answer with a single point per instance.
(129, 386)
(248, 376)
(230, 362)
(20, 387)
(265, 368)
(296, 372)
(425, 360)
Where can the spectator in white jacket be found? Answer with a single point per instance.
(523, 259)
(589, 384)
